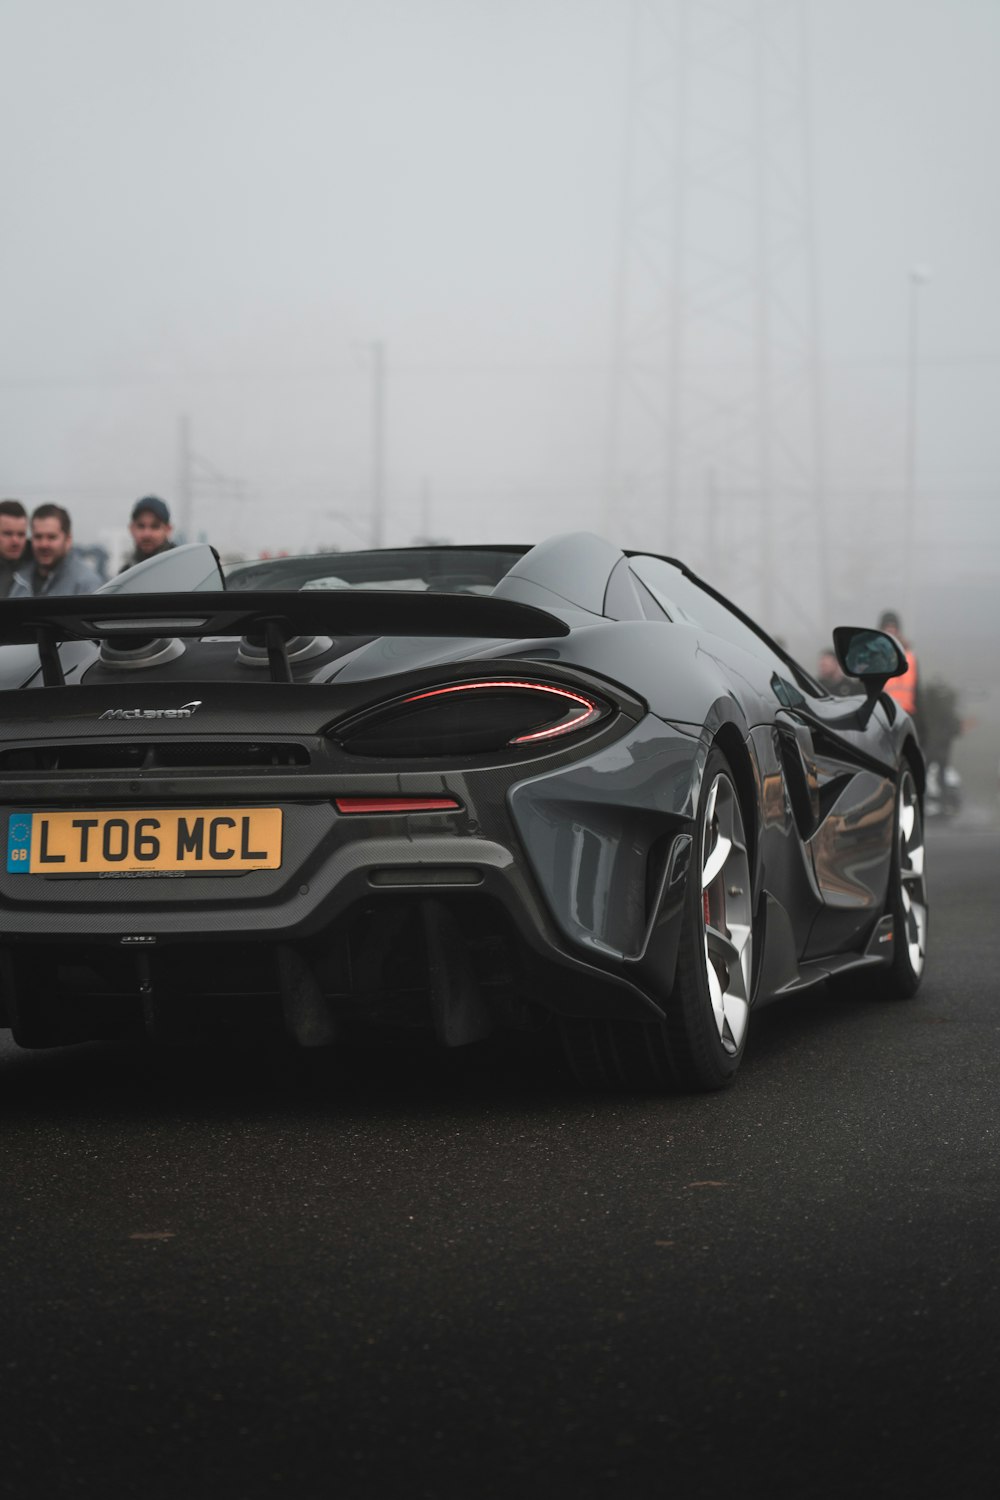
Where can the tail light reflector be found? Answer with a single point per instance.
(395, 804)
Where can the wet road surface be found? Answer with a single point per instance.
(256, 1276)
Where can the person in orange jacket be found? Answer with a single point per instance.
(904, 690)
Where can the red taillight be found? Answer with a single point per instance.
(395, 804)
(481, 717)
(586, 708)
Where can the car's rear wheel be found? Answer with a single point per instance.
(700, 1043)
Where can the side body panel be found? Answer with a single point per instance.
(598, 835)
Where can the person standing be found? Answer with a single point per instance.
(53, 569)
(13, 542)
(151, 530)
(941, 725)
(904, 690)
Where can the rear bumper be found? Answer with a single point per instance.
(579, 869)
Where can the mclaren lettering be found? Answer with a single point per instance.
(184, 712)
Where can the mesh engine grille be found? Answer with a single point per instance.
(147, 755)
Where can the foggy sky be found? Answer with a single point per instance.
(214, 208)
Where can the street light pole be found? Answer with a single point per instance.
(919, 276)
(378, 443)
(185, 497)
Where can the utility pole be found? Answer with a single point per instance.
(919, 276)
(711, 512)
(185, 487)
(194, 470)
(763, 336)
(378, 443)
(425, 511)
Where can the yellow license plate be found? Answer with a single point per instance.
(217, 841)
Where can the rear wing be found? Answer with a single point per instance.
(271, 619)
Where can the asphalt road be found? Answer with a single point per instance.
(277, 1277)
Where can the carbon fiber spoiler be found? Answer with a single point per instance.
(274, 618)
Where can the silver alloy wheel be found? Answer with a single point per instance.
(726, 912)
(912, 887)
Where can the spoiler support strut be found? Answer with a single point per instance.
(277, 652)
(48, 656)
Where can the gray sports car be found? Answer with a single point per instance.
(438, 792)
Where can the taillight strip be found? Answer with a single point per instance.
(589, 709)
(395, 804)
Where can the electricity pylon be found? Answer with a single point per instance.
(716, 436)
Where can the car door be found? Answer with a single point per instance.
(847, 813)
(837, 775)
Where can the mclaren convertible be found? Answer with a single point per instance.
(429, 794)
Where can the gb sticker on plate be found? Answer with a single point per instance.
(19, 843)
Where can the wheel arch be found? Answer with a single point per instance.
(913, 756)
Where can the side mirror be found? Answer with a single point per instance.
(871, 655)
(868, 654)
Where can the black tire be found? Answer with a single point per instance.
(700, 1044)
(906, 898)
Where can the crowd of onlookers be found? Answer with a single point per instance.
(37, 556)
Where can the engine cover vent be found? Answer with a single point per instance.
(130, 653)
(252, 650)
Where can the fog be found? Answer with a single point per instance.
(714, 279)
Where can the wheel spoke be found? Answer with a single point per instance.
(717, 997)
(716, 861)
(737, 1015)
(722, 947)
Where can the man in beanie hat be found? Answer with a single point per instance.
(151, 530)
